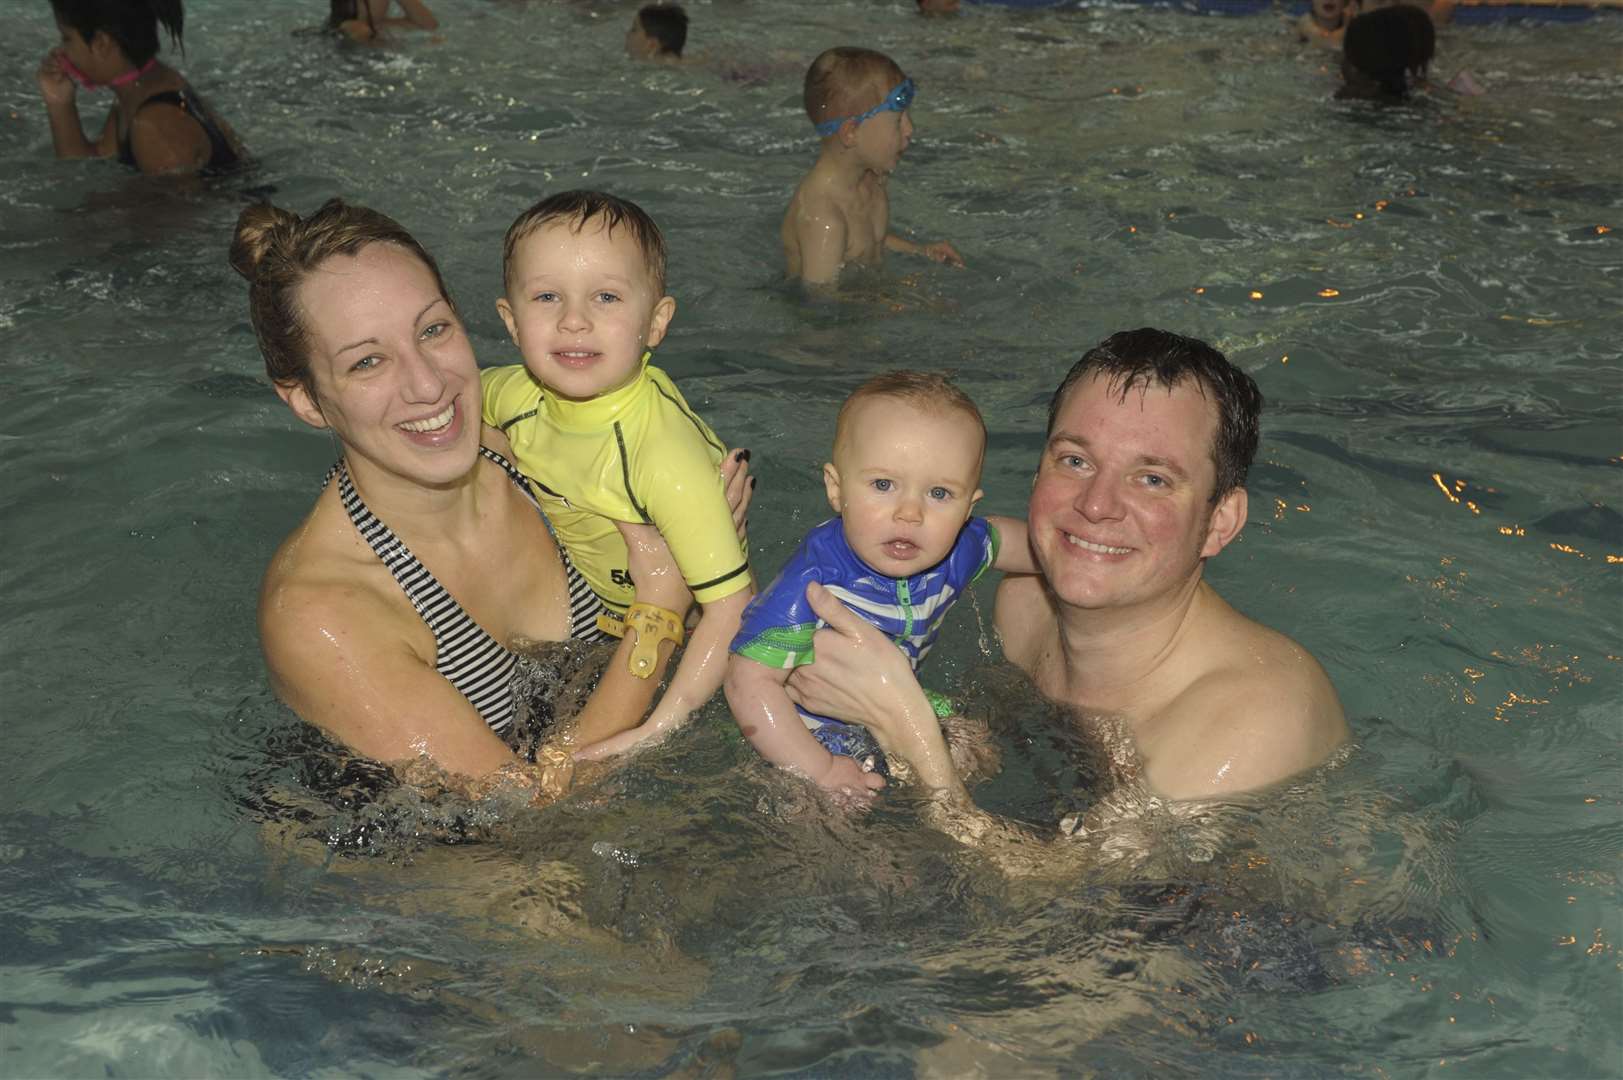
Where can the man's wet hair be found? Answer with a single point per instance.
(580, 208)
(1391, 46)
(1145, 358)
(666, 24)
(846, 80)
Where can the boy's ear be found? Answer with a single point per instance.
(505, 310)
(302, 402)
(663, 313)
(848, 133)
(831, 485)
(1228, 518)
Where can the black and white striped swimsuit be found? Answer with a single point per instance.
(469, 658)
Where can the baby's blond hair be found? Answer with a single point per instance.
(923, 390)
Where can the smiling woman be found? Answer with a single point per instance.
(383, 616)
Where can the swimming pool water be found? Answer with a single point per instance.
(1428, 296)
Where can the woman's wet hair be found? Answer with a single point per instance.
(1390, 46)
(580, 208)
(1140, 359)
(132, 24)
(845, 81)
(276, 249)
(666, 24)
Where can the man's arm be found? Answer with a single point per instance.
(1014, 546)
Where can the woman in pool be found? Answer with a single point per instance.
(398, 659)
(158, 123)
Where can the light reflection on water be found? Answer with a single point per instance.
(1433, 513)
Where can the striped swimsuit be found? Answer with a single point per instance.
(469, 658)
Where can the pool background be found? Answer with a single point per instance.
(1434, 514)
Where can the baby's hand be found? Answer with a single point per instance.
(943, 252)
(54, 85)
(845, 776)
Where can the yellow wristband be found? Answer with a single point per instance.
(653, 625)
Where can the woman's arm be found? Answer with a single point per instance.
(337, 658)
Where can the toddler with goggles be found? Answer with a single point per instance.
(857, 100)
(905, 477)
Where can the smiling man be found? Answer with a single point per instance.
(1142, 480)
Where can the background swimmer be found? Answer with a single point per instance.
(658, 32)
(367, 20)
(158, 123)
(858, 101)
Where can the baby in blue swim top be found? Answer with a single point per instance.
(908, 449)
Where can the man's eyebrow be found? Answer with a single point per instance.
(374, 341)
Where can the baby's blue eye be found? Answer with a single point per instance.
(940, 493)
(882, 485)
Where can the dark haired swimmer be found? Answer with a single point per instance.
(366, 21)
(1142, 479)
(388, 614)
(1386, 53)
(658, 32)
(158, 123)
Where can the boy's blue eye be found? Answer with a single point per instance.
(546, 297)
(606, 298)
(882, 485)
(940, 493)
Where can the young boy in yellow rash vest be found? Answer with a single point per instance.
(605, 434)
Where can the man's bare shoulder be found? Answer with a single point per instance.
(1258, 709)
(1024, 618)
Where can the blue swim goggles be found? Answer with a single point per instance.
(897, 101)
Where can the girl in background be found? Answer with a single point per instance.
(158, 123)
(366, 20)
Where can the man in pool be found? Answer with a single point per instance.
(1142, 479)
(857, 99)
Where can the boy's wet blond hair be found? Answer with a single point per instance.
(923, 390)
(846, 81)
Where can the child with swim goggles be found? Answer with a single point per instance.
(607, 437)
(858, 102)
(158, 123)
(904, 481)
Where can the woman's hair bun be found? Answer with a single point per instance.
(259, 228)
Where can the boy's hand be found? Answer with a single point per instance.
(54, 85)
(942, 252)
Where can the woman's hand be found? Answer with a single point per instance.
(54, 85)
(740, 485)
(861, 677)
(653, 568)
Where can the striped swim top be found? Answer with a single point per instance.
(470, 659)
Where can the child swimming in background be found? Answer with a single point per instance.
(858, 100)
(1324, 22)
(658, 32)
(367, 20)
(938, 7)
(1386, 52)
(908, 449)
(606, 435)
(158, 123)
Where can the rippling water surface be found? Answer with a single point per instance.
(1427, 295)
